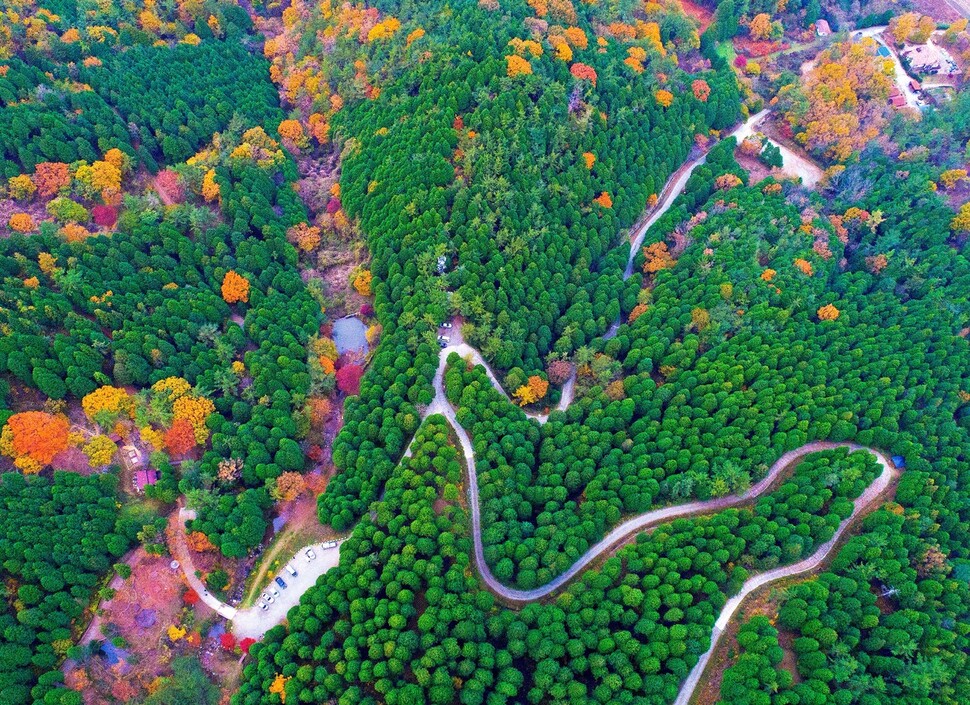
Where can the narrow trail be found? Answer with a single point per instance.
(632, 526)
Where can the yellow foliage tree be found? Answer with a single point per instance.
(362, 282)
(951, 177)
(99, 179)
(278, 686)
(657, 257)
(100, 450)
(532, 391)
(196, 411)
(961, 223)
(21, 187)
(175, 633)
(210, 189)
(106, 403)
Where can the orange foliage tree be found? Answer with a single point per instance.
(51, 177)
(517, 66)
(235, 287)
(33, 438)
(582, 72)
(604, 200)
(180, 438)
(21, 223)
(664, 98)
(657, 257)
(828, 313)
(702, 90)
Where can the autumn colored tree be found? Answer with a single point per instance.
(590, 159)
(50, 178)
(235, 287)
(99, 179)
(210, 189)
(559, 371)
(828, 313)
(951, 177)
(664, 98)
(227, 641)
(583, 72)
(195, 410)
(106, 403)
(100, 450)
(532, 391)
(170, 183)
(180, 438)
(198, 542)
(604, 200)
(104, 216)
(961, 223)
(288, 487)
(701, 89)
(33, 438)
(804, 266)
(348, 379)
(760, 27)
(21, 187)
(292, 130)
(362, 282)
(517, 66)
(727, 181)
(304, 236)
(657, 257)
(768, 274)
(21, 223)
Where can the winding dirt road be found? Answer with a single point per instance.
(631, 527)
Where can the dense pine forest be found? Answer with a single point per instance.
(697, 266)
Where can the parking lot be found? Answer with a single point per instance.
(254, 622)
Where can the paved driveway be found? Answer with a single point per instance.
(254, 622)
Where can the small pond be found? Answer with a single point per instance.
(349, 334)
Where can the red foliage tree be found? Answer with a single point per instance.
(105, 216)
(348, 379)
(366, 310)
(583, 71)
(333, 205)
(191, 597)
(227, 641)
(244, 644)
(180, 438)
(170, 185)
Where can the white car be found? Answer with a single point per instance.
(268, 598)
(446, 325)
(291, 570)
(329, 544)
(263, 606)
(273, 591)
(310, 555)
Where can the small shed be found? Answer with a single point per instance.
(822, 28)
(915, 85)
(145, 477)
(899, 461)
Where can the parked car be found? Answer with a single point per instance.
(444, 339)
(442, 344)
(279, 581)
(291, 569)
(273, 591)
(268, 598)
(263, 606)
(446, 325)
(329, 544)
(310, 555)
